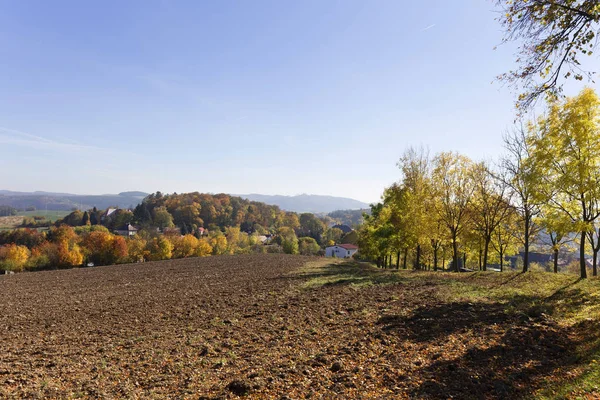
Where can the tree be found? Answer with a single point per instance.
(490, 205)
(520, 173)
(568, 147)
(505, 240)
(332, 236)
(85, 220)
(185, 246)
(311, 226)
(162, 218)
(594, 239)
(13, 257)
(204, 248)
(94, 216)
(218, 242)
(104, 248)
(288, 240)
(555, 33)
(159, 248)
(558, 227)
(137, 249)
(454, 185)
(411, 204)
(308, 246)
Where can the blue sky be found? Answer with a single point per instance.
(271, 97)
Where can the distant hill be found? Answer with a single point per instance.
(67, 201)
(308, 202)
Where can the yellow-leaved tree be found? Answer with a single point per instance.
(568, 149)
(453, 182)
(13, 257)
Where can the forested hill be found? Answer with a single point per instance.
(66, 201)
(193, 210)
(308, 202)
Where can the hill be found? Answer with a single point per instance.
(274, 325)
(310, 203)
(66, 201)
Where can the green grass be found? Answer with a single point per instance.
(51, 215)
(565, 298)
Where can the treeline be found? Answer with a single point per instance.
(171, 226)
(450, 209)
(352, 218)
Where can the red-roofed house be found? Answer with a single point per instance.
(341, 250)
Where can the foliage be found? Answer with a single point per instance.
(308, 246)
(13, 257)
(554, 35)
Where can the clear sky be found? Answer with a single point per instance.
(272, 97)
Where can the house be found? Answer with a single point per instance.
(127, 230)
(341, 250)
(107, 214)
(202, 231)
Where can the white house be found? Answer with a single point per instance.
(341, 250)
(127, 230)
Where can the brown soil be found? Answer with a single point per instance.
(223, 327)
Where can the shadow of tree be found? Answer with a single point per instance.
(348, 273)
(518, 344)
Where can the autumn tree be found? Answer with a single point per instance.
(558, 228)
(204, 248)
(159, 248)
(13, 257)
(415, 199)
(137, 249)
(452, 179)
(554, 35)
(104, 248)
(569, 150)
(185, 246)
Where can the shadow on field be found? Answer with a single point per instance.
(349, 273)
(522, 344)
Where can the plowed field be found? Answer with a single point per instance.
(268, 326)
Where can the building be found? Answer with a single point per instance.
(127, 230)
(341, 250)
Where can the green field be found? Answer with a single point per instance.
(52, 215)
(14, 221)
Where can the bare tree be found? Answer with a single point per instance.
(519, 175)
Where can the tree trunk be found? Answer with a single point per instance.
(486, 249)
(582, 266)
(501, 253)
(465, 260)
(526, 254)
(454, 254)
(405, 257)
(418, 260)
(595, 268)
(556, 261)
(378, 262)
(398, 259)
(435, 259)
